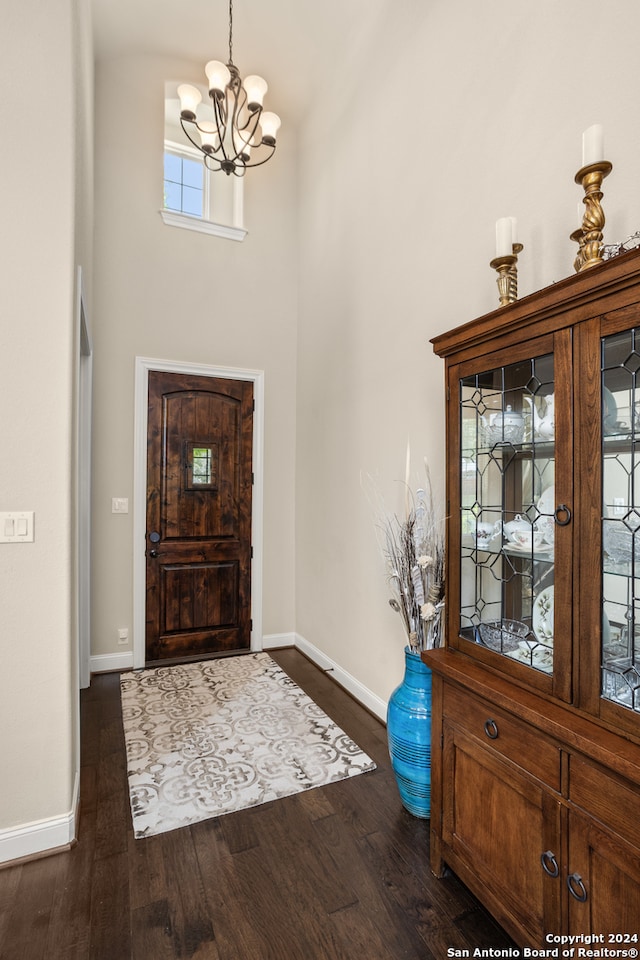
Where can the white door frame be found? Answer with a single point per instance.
(83, 485)
(143, 366)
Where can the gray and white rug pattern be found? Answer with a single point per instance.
(205, 739)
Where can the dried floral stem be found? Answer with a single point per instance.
(413, 550)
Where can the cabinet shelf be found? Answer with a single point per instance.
(539, 555)
(544, 449)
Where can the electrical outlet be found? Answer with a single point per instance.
(123, 635)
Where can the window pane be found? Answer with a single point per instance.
(192, 201)
(192, 173)
(201, 465)
(172, 195)
(172, 167)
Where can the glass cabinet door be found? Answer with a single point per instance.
(508, 510)
(620, 651)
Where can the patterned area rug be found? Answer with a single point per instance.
(209, 738)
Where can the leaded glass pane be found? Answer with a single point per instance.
(621, 519)
(508, 502)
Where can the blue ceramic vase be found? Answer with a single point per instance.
(409, 735)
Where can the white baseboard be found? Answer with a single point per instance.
(358, 691)
(42, 837)
(111, 662)
(273, 641)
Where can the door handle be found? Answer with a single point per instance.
(154, 536)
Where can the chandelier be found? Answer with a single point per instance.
(241, 134)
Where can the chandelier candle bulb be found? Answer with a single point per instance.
(190, 97)
(218, 76)
(270, 123)
(256, 88)
(208, 136)
(504, 237)
(242, 148)
(593, 145)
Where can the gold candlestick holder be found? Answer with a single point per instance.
(513, 273)
(591, 177)
(507, 270)
(577, 237)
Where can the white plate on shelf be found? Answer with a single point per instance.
(510, 547)
(545, 524)
(543, 616)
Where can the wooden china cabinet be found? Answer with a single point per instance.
(536, 695)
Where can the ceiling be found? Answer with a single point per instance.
(291, 43)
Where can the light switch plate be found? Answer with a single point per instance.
(119, 505)
(17, 526)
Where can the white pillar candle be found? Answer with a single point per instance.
(514, 230)
(504, 237)
(592, 145)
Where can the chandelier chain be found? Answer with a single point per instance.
(230, 31)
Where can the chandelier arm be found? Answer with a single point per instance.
(209, 160)
(222, 125)
(233, 120)
(258, 163)
(188, 135)
(251, 126)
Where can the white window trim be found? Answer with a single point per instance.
(200, 225)
(203, 224)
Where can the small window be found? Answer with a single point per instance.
(183, 185)
(201, 465)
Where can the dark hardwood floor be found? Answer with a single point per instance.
(338, 873)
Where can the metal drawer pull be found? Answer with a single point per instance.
(562, 508)
(577, 888)
(549, 863)
(491, 729)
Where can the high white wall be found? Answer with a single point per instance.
(173, 294)
(448, 115)
(41, 241)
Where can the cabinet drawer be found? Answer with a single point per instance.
(508, 736)
(605, 796)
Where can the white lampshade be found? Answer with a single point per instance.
(208, 136)
(255, 88)
(270, 123)
(190, 97)
(242, 147)
(218, 75)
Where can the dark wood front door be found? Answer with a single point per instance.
(198, 536)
